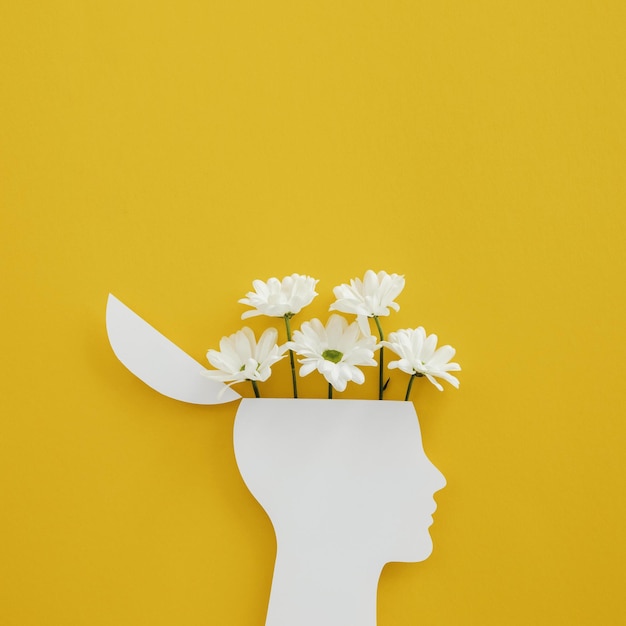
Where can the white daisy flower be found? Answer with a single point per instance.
(334, 350)
(277, 298)
(420, 357)
(241, 358)
(372, 296)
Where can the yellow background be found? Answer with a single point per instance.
(173, 152)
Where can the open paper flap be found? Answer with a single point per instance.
(158, 362)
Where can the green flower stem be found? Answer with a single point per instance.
(381, 373)
(330, 391)
(256, 389)
(408, 390)
(291, 359)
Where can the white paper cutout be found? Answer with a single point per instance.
(158, 362)
(346, 483)
(348, 488)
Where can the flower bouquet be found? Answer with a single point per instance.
(346, 483)
(336, 350)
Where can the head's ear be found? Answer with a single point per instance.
(158, 362)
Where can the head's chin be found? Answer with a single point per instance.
(426, 551)
(416, 552)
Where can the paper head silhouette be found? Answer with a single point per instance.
(348, 488)
(346, 483)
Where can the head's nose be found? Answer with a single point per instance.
(437, 478)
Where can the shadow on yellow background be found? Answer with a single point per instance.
(171, 153)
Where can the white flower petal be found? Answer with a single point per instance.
(357, 376)
(241, 358)
(434, 382)
(251, 313)
(419, 355)
(429, 348)
(364, 324)
(313, 339)
(308, 367)
(374, 295)
(266, 343)
(442, 355)
(277, 298)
